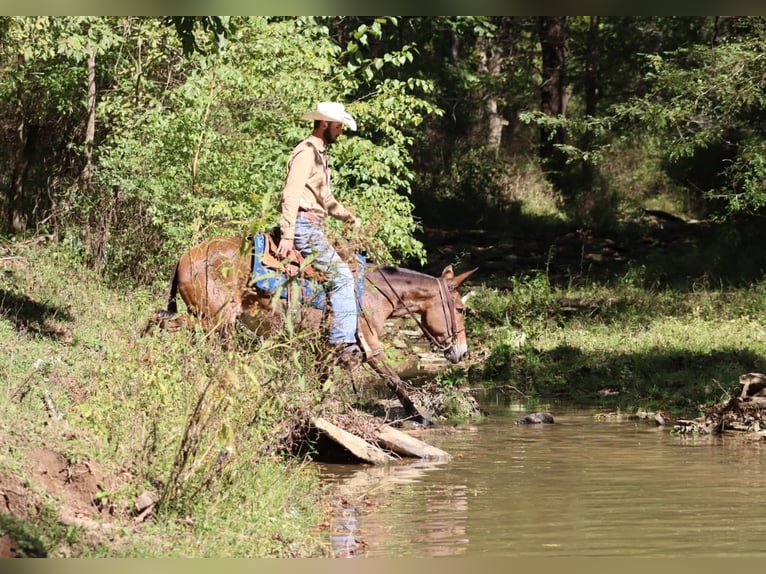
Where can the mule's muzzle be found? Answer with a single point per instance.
(455, 353)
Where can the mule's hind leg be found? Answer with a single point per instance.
(225, 311)
(172, 322)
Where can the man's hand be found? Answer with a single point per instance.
(356, 222)
(285, 247)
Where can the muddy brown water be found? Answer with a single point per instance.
(576, 488)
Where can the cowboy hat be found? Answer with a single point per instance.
(331, 112)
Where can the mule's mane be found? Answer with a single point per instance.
(392, 271)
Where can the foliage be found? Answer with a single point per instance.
(209, 155)
(193, 134)
(196, 117)
(216, 27)
(691, 83)
(201, 426)
(707, 101)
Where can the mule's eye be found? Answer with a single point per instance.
(460, 311)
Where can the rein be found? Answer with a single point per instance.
(448, 308)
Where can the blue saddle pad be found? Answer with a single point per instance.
(311, 291)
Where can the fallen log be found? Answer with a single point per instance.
(380, 446)
(407, 445)
(357, 446)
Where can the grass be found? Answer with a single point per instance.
(179, 415)
(622, 347)
(202, 425)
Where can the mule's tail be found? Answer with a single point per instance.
(172, 306)
(161, 317)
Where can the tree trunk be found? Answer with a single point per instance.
(496, 124)
(553, 44)
(491, 64)
(591, 96)
(17, 218)
(90, 130)
(100, 222)
(592, 68)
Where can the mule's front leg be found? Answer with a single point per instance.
(395, 383)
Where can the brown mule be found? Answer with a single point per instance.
(214, 280)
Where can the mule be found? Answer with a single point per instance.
(215, 281)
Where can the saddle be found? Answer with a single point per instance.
(272, 274)
(292, 265)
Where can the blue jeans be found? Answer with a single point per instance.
(310, 240)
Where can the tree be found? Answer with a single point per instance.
(49, 69)
(553, 87)
(208, 153)
(216, 28)
(707, 101)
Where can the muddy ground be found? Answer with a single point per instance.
(72, 487)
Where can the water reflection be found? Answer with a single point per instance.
(383, 496)
(575, 488)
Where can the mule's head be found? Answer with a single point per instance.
(444, 318)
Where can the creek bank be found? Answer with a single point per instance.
(743, 415)
(79, 489)
(379, 431)
(373, 428)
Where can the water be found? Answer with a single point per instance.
(576, 488)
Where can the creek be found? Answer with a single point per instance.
(578, 487)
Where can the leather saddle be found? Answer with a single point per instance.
(291, 266)
(272, 274)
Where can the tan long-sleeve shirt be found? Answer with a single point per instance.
(307, 187)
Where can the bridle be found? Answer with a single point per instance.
(448, 308)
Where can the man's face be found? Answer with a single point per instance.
(332, 131)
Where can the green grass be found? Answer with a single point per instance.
(650, 349)
(199, 424)
(203, 425)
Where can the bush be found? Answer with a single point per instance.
(203, 426)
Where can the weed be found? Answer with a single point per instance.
(200, 423)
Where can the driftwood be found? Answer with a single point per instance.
(407, 445)
(387, 444)
(356, 445)
(740, 413)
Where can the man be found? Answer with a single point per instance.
(307, 199)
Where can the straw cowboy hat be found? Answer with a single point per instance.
(331, 112)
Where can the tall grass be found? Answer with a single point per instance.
(198, 423)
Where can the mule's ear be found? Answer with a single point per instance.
(448, 273)
(456, 281)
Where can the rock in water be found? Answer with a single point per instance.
(536, 419)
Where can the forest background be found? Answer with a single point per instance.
(628, 152)
(129, 139)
